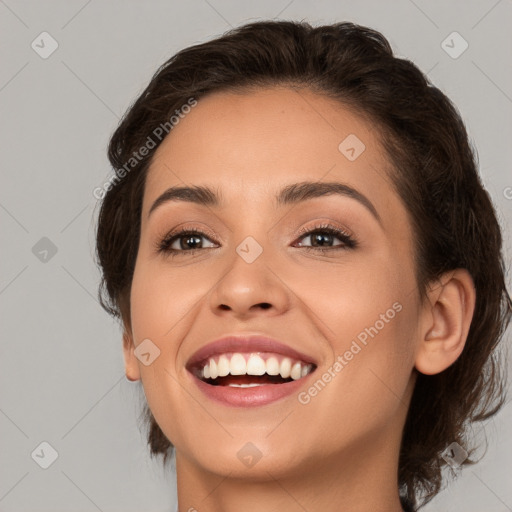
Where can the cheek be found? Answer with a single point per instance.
(161, 309)
(364, 387)
(350, 296)
(161, 298)
(371, 315)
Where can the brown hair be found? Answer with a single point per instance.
(434, 172)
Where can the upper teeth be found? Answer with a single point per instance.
(254, 364)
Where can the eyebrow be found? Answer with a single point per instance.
(291, 194)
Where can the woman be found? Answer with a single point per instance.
(307, 269)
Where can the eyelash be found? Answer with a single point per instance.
(349, 241)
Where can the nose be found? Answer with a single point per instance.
(249, 289)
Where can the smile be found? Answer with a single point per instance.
(251, 370)
(245, 370)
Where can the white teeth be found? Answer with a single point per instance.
(255, 365)
(286, 367)
(295, 373)
(223, 366)
(213, 369)
(238, 365)
(243, 385)
(272, 366)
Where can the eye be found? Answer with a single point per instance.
(322, 237)
(185, 240)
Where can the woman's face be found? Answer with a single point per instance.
(344, 299)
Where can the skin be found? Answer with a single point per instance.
(340, 450)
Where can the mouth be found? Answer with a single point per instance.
(250, 370)
(242, 371)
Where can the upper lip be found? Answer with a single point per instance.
(246, 343)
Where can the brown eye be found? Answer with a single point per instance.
(322, 239)
(183, 241)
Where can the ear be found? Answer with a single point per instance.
(445, 320)
(131, 363)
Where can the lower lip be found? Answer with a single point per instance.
(250, 397)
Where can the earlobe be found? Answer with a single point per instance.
(445, 322)
(131, 364)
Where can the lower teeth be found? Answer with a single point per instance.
(244, 385)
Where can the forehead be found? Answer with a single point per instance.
(252, 143)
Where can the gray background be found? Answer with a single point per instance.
(62, 376)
